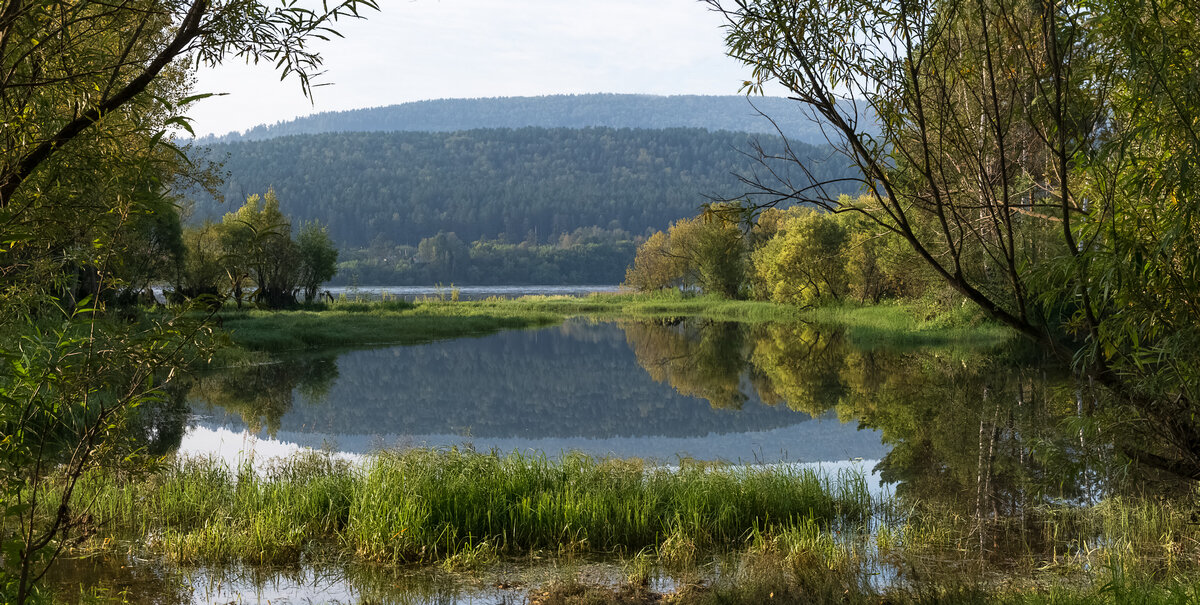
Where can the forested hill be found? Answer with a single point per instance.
(734, 113)
(495, 183)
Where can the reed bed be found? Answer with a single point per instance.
(424, 506)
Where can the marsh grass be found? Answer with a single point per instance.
(896, 324)
(765, 534)
(460, 508)
(657, 305)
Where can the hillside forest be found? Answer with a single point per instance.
(527, 205)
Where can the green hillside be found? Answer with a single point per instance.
(527, 184)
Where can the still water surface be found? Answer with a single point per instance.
(602, 388)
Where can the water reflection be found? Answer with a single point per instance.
(127, 579)
(262, 394)
(995, 430)
(983, 438)
(990, 430)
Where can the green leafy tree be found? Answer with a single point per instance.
(654, 266)
(201, 270)
(713, 248)
(805, 261)
(153, 248)
(318, 258)
(444, 253)
(263, 236)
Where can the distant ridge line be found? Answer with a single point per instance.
(736, 113)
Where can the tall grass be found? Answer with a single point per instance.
(910, 324)
(781, 534)
(423, 506)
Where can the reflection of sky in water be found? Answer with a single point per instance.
(778, 445)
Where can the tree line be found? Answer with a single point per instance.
(588, 255)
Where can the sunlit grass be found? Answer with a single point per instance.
(778, 533)
(460, 507)
(359, 323)
(910, 324)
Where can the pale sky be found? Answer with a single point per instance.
(431, 49)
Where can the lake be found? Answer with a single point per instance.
(627, 389)
(983, 431)
(915, 418)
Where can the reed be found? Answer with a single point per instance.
(458, 507)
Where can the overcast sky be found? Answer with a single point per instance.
(432, 49)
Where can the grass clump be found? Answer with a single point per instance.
(461, 508)
(424, 505)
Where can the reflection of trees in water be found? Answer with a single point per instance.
(574, 380)
(262, 393)
(800, 365)
(986, 430)
(156, 427)
(726, 362)
(704, 359)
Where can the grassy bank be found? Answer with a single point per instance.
(345, 324)
(459, 508)
(910, 324)
(669, 304)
